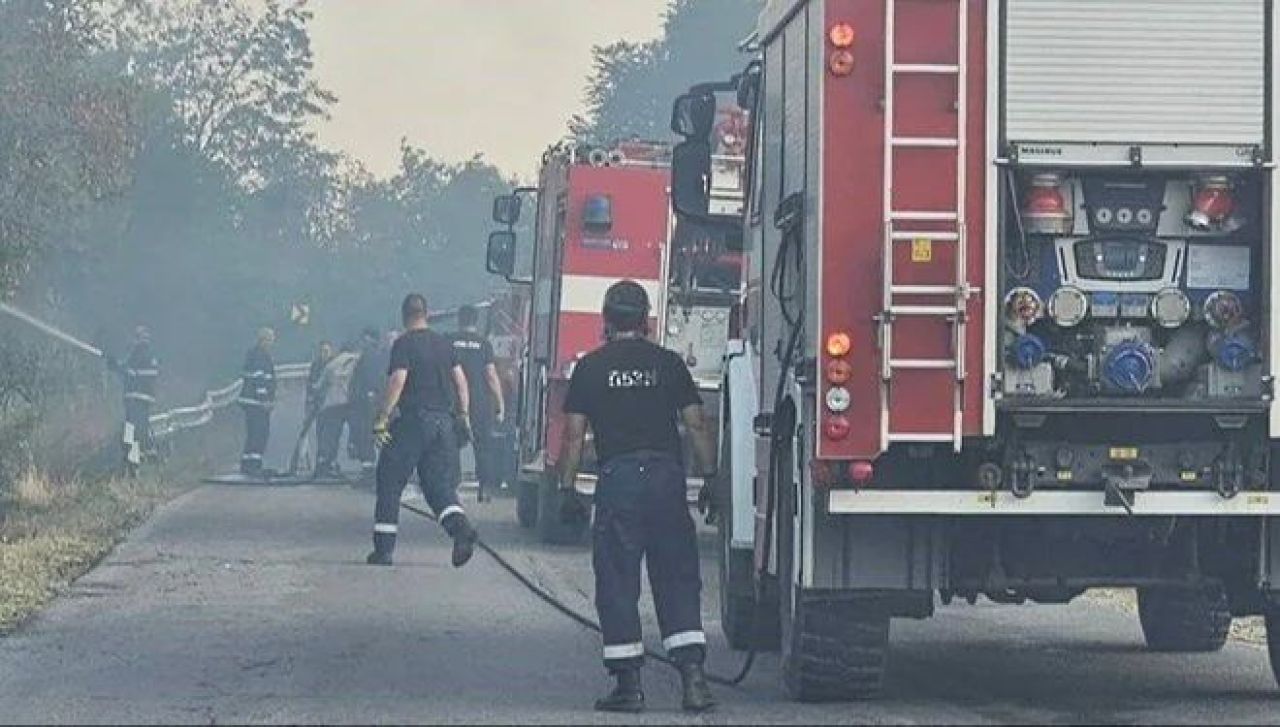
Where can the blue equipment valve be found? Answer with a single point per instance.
(1028, 351)
(1234, 351)
(1129, 367)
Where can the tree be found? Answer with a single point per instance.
(66, 128)
(632, 85)
(240, 82)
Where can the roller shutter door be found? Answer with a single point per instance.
(1136, 72)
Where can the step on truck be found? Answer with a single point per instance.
(1009, 329)
(603, 214)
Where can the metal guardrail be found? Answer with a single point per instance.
(171, 422)
(166, 424)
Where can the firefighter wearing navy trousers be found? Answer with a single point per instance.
(424, 381)
(140, 371)
(631, 393)
(257, 397)
(475, 354)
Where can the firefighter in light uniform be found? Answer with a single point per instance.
(631, 392)
(140, 372)
(424, 381)
(475, 354)
(257, 397)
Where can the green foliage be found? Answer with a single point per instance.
(632, 86)
(66, 128)
(156, 166)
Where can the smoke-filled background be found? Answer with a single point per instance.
(160, 164)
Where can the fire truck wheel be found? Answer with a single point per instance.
(1273, 640)
(1185, 619)
(527, 503)
(832, 650)
(551, 526)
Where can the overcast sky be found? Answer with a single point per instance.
(459, 77)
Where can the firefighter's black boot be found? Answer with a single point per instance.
(464, 538)
(626, 695)
(696, 694)
(378, 557)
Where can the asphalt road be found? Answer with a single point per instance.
(238, 604)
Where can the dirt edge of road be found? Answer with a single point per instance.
(52, 532)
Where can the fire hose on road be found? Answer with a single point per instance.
(568, 611)
(169, 423)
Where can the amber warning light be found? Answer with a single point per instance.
(841, 62)
(839, 344)
(842, 35)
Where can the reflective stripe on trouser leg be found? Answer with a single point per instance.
(384, 537)
(440, 471)
(615, 558)
(617, 652)
(395, 463)
(671, 554)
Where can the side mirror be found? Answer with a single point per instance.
(693, 115)
(500, 259)
(506, 209)
(691, 178)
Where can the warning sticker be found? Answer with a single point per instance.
(922, 250)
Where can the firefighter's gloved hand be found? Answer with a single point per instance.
(382, 431)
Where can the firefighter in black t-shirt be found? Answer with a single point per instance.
(424, 379)
(475, 354)
(631, 392)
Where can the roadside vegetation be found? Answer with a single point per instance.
(53, 531)
(159, 166)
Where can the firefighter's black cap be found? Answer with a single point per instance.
(626, 305)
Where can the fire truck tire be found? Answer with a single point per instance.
(1185, 619)
(834, 653)
(1273, 640)
(527, 503)
(551, 527)
(833, 650)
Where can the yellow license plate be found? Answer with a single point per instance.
(1124, 453)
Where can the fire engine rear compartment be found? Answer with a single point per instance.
(1160, 245)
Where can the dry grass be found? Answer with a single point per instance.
(33, 489)
(53, 532)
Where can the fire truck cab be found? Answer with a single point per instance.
(1009, 327)
(603, 215)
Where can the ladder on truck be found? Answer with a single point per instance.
(907, 226)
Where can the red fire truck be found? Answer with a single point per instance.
(603, 214)
(1008, 329)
